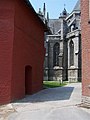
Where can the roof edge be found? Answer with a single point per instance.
(27, 2)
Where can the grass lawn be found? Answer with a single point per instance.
(52, 84)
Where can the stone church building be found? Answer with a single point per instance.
(63, 47)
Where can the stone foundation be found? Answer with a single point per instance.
(53, 74)
(58, 74)
(45, 74)
(72, 75)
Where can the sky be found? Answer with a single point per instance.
(54, 7)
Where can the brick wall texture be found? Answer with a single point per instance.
(21, 45)
(85, 28)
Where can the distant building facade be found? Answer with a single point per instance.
(21, 50)
(63, 47)
(85, 26)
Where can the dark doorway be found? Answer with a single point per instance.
(28, 80)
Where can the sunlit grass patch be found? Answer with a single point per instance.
(52, 84)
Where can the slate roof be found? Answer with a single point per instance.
(77, 6)
(55, 25)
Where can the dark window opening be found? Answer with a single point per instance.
(56, 54)
(71, 53)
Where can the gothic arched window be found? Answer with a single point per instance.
(71, 53)
(56, 54)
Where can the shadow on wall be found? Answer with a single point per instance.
(55, 94)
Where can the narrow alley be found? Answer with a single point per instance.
(51, 104)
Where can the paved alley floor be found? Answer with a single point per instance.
(59, 103)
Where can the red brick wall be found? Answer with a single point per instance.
(21, 44)
(6, 41)
(85, 27)
(28, 50)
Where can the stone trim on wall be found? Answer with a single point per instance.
(86, 101)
